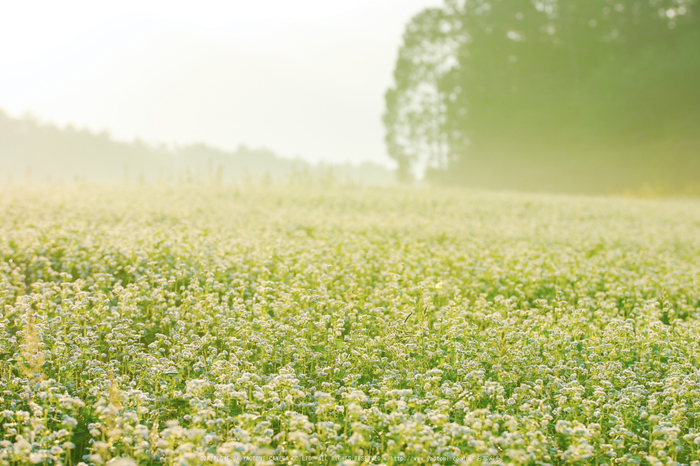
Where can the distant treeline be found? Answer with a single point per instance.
(31, 151)
(550, 95)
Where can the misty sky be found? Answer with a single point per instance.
(302, 77)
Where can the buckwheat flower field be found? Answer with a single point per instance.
(336, 325)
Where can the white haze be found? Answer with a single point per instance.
(303, 78)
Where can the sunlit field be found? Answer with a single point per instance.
(338, 325)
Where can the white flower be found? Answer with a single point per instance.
(123, 461)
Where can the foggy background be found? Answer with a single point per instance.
(301, 79)
(573, 96)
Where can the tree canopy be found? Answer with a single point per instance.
(566, 95)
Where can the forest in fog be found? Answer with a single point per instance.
(39, 153)
(593, 96)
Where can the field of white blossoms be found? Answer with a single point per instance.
(310, 325)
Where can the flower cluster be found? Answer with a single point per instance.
(314, 325)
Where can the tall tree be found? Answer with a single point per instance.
(554, 94)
